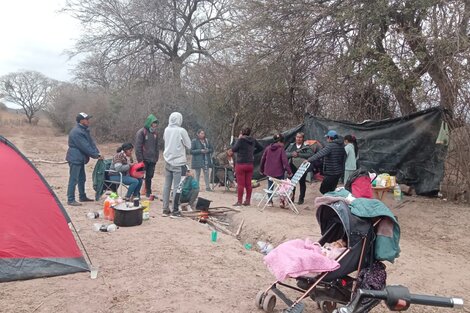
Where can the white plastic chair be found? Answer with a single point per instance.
(276, 190)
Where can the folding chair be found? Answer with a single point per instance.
(115, 186)
(276, 190)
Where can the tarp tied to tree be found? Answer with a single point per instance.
(405, 146)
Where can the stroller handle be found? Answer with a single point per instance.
(398, 298)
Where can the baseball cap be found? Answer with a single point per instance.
(331, 134)
(83, 116)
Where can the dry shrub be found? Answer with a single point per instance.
(456, 183)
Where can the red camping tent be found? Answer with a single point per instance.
(35, 239)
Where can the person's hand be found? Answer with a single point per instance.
(289, 175)
(204, 151)
(294, 154)
(240, 136)
(100, 157)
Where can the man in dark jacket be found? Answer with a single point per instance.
(297, 152)
(146, 150)
(81, 148)
(333, 155)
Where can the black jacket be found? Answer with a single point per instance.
(333, 155)
(245, 147)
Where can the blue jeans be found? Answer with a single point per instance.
(76, 177)
(133, 184)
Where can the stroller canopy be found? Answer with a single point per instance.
(351, 228)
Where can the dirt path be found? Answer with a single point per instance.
(170, 265)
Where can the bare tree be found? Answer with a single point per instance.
(414, 52)
(149, 32)
(28, 89)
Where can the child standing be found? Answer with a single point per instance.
(352, 154)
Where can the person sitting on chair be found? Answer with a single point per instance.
(122, 163)
(225, 162)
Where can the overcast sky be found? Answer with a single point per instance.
(34, 36)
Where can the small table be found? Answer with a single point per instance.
(379, 192)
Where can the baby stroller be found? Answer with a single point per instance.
(337, 287)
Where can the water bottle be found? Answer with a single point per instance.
(397, 195)
(93, 215)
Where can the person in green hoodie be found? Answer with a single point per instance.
(146, 150)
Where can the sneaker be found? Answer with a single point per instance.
(270, 204)
(237, 204)
(246, 203)
(300, 202)
(74, 203)
(86, 199)
(165, 213)
(176, 215)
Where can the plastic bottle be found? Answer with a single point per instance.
(111, 227)
(93, 215)
(397, 195)
(104, 227)
(107, 209)
(264, 247)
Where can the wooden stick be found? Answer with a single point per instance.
(239, 230)
(220, 227)
(49, 162)
(225, 207)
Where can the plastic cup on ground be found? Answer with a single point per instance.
(214, 236)
(93, 271)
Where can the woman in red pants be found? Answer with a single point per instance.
(245, 147)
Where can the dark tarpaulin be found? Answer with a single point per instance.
(405, 146)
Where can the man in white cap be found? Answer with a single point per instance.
(333, 155)
(81, 148)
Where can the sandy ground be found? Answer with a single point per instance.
(168, 265)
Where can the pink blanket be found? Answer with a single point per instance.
(296, 258)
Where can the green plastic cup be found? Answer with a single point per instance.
(248, 246)
(214, 236)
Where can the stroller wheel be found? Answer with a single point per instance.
(269, 303)
(259, 299)
(327, 306)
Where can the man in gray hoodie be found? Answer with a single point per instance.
(176, 142)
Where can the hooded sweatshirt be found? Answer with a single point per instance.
(146, 142)
(176, 141)
(274, 162)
